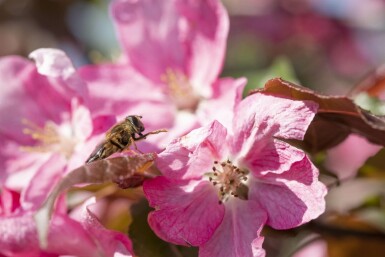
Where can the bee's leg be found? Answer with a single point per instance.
(136, 147)
(140, 137)
(117, 144)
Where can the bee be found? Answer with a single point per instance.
(120, 137)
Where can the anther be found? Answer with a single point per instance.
(229, 179)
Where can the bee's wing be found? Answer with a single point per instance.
(97, 153)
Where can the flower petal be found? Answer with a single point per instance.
(185, 214)
(14, 71)
(52, 62)
(227, 94)
(239, 233)
(111, 242)
(114, 88)
(65, 237)
(207, 29)
(186, 36)
(57, 66)
(9, 201)
(346, 158)
(101, 123)
(315, 248)
(42, 183)
(291, 198)
(19, 166)
(276, 156)
(81, 121)
(259, 116)
(192, 155)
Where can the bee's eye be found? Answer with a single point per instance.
(136, 122)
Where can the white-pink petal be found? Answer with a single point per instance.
(193, 155)
(275, 157)
(260, 116)
(185, 37)
(185, 214)
(227, 93)
(239, 233)
(346, 158)
(291, 198)
(52, 62)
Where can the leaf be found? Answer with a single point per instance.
(126, 171)
(373, 84)
(337, 116)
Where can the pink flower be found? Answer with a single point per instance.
(173, 53)
(46, 131)
(346, 158)
(222, 184)
(44, 118)
(86, 237)
(316, 248)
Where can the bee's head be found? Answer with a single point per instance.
(136, 123)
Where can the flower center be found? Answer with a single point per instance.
(180, 89)
(229, 179)
(50, 138)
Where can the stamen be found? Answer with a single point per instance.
(180, 89)
(48, 139)
(229, 179)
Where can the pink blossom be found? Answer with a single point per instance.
(44, 118)
(46, 131)
(173, 52)
(86, 237)
(222, 184)
(346, 158)
(317, 248)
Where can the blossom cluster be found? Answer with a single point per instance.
(226, 166)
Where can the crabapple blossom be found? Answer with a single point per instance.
(346, 158)
(221, 185)
(46, 131)
(173, 52)
(43, 115)
(86, 237)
